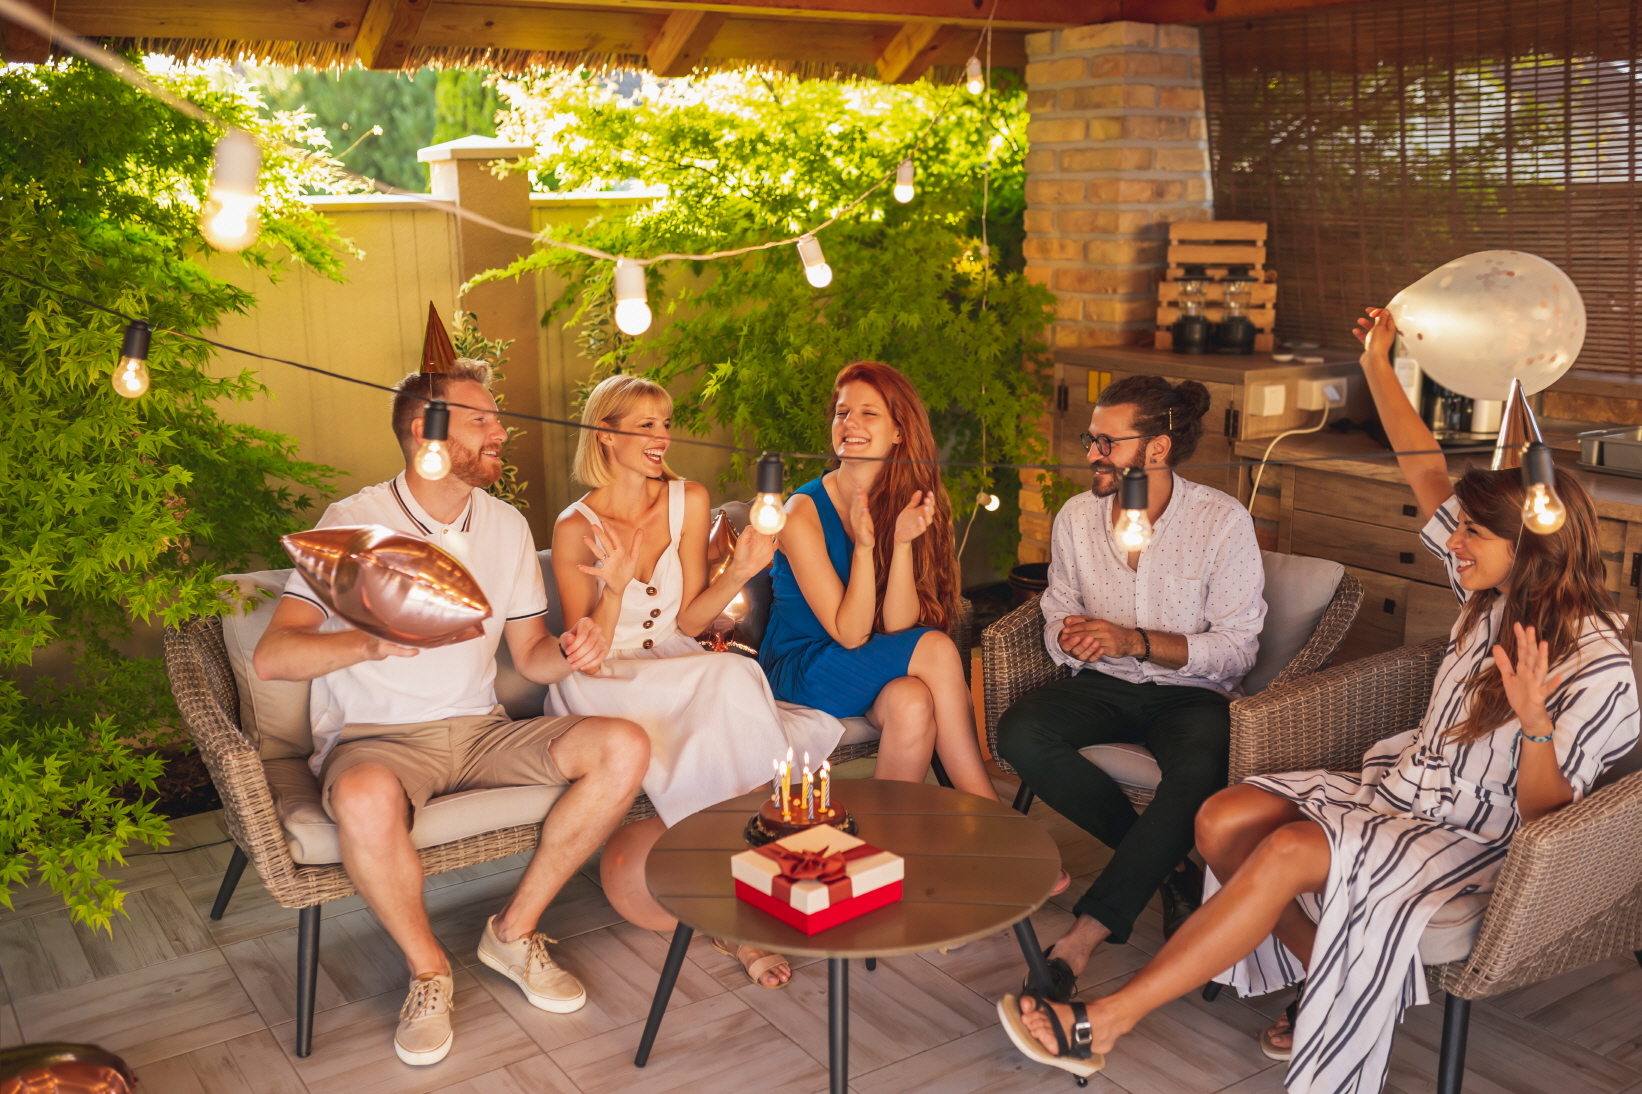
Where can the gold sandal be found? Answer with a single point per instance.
(755, 971)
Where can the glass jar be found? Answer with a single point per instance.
(1192, 332)
(1235, 333)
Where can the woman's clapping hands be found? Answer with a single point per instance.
(910, 523)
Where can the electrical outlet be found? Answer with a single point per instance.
(1266, 400)
(1317, 394)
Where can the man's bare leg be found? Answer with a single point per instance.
(373, 819)
(605, 760)
(1290, 861)
(1077, 945)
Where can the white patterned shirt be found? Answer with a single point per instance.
(1200, 577)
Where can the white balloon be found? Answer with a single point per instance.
(1478, 322)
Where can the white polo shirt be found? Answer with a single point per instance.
(493, 541)
(1201, 577)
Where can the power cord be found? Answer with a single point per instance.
(1260, 470)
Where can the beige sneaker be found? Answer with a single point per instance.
(424, 1035)
(528, 964)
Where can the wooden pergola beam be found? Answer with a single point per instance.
(912, 50)
(683, 41)
(21, 46)
(1013, 15)
(387, 31)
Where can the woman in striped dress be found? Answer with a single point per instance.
(1330, 877)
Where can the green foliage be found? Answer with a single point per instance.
(118, 510)
(751, 346)
(465, 103)
(346, 104)
(469, 341)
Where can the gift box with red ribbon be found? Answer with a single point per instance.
(817, 878)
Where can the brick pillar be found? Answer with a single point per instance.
(462, 172)
(1118, 150)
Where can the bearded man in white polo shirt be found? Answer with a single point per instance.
(1157, 641)
(394, 726)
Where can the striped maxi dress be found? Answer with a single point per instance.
(1426, 821)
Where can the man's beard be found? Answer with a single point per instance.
(466, 464)
(1138, 463)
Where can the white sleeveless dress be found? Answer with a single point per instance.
(714, 726)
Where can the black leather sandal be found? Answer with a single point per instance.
(1075, 1055)
(1064, 982)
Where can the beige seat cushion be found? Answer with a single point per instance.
(1453, 930)
(1129, 765)
(857, 731)
(272, 713)
(311, 834)
(1298, 591)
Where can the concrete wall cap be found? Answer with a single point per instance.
(474, 147)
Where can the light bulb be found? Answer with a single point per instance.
(815, 263)
(1542, 510)
(1134, 527)
(903, 181)
(131, 374)
(977, 78)
(632, 307)
(432, 459)
(229, 219)
(767, 515)
(989, 502)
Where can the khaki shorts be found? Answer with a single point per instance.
(433, 759)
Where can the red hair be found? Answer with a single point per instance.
(910, 467)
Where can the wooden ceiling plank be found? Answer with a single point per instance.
(387, 31)
(262, 21)
(1016, 15)
(1206, 11)
(683, 41)
(21, 46)
(910, 52)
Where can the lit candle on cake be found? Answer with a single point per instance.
(775, 783)
(826, 787)
(786, 790)
(809, 800)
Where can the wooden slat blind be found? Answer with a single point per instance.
(1380, 140)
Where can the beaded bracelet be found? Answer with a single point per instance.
(1551, 736)
(1146, 638)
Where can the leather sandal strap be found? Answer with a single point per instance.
(1082, 1034)
(1054, 1023)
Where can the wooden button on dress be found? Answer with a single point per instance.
(650, 590)
(648, 623)
(654, 612)
(649, 642)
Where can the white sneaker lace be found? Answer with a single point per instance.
(423, 998)
(536, 953)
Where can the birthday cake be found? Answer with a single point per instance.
(774, 824)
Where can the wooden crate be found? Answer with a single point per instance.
(1217, 246)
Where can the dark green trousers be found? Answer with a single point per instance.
(1188, 730)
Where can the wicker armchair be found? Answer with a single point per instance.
(1570, 892)
(1014, 662)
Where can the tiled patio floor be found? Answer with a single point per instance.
(208, 1008)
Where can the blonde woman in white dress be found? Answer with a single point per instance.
(632, 555)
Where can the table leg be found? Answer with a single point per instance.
(1035, 963)
(872, 964)
(838, 1024)
(664, 992)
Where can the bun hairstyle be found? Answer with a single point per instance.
(1556, 584)
(934, 561)
(1163, 409)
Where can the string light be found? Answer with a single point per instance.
(977, 79)
(229, 219)
(815, 263)
(903, 181)
(131, 374)
(432, 459)
(989, 502)
(767, 515)
(1542, 509)
(632, 304)
(1134, 528)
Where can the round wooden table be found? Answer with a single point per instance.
(973, 868)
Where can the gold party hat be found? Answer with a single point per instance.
(1517, 429)
(438, 355)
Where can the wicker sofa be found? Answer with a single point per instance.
(254, 740)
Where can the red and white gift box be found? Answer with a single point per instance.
(817, 878)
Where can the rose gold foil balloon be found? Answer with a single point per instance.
(64, 1069)
(397, 587)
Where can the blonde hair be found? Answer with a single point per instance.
(607, 405)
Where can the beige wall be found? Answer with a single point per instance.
(371, 326)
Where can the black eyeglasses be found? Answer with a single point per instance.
(1104, 444)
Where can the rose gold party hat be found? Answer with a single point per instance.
(438, 355)
(1517, 429)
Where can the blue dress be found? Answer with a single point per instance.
(804, 664)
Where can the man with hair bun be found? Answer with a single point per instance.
(1157, 641)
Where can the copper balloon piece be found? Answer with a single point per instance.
(721, 539)
(397, 587)
(64, 1069)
